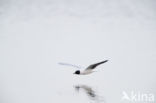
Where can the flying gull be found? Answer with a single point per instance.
(86, 71)
(89, 69)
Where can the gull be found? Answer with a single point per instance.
(86, 71)
(89, 69)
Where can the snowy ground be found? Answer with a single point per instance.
(35, 35)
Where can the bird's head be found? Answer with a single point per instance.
(77, 72)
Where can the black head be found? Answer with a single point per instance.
(77, 72)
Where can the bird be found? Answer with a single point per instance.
(89, 69)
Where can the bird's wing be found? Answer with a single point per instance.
(93, 66)
(67, 64)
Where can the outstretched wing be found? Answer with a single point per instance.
(67, 64)
(93, 66)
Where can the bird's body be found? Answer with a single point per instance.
(89, 69)
(85, 72)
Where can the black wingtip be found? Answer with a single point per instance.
(105, 61)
